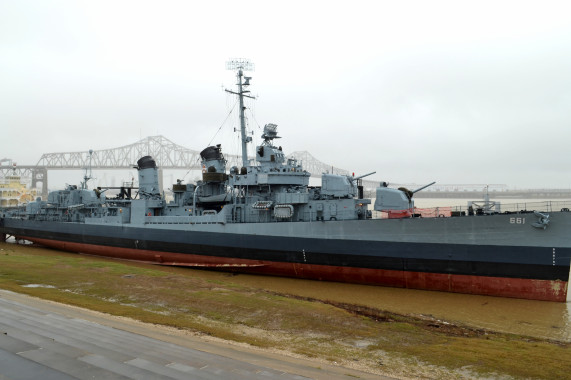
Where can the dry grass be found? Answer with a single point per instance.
(212, 303)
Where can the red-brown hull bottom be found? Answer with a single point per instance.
(545, 290)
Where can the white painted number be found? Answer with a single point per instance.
(517, 220)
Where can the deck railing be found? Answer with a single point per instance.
(497, 208)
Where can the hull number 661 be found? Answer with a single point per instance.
(517, 220)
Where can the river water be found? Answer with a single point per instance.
(541, 319)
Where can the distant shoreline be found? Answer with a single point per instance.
(508, 194)
(539, 194)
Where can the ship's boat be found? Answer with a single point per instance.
(264, 217)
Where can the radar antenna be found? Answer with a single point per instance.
(270, 133)
(241, 65)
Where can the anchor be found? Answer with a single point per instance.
(542, 220)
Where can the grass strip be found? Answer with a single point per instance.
(212, 303)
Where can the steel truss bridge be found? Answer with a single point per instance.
(167, 154)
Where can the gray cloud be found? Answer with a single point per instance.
(418, 92)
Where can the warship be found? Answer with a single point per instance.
(264, 218)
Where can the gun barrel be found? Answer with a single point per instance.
(362, 176)
(423, 187)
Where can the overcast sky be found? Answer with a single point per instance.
(420, 91)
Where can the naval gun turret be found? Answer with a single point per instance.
(72, 204)
(342, 186)
(395, 199)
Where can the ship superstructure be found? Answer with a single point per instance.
(264, 217)
(14, 190)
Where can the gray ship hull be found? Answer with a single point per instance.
(501, 255)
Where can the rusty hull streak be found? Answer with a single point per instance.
(546, 290)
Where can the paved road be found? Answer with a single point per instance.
(44, 340)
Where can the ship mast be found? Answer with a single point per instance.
(90, 176)
(242, 64)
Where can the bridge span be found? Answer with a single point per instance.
(167, 154)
